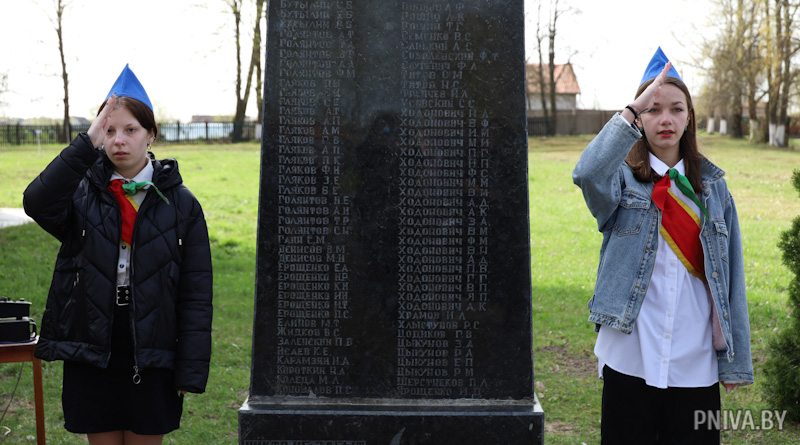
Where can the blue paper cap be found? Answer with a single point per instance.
(657, 64)
(129, 86)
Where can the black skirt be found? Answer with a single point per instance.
(97, 400)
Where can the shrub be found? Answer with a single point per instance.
(782, 367)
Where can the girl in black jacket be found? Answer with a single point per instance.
(129, 308)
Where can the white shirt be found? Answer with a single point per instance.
(123, 264)
(671, 344)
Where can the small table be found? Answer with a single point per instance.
(23, 352)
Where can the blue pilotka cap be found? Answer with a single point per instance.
(128, 85)
(657, 64)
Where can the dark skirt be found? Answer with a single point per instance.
(97, 400)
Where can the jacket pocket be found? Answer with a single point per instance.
(631, 213)
(67, 314)
(721, 235)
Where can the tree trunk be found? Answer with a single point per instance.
(754, 130)
(238, 117)
(255, 59)
(552, 127)
(67, 125)
(772, 72)
(260, 4)
(786, 84)
(540, 71)
(780, 50)
(735, 119)
(737, 81)
(542, 89)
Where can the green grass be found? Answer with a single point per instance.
(564, 247)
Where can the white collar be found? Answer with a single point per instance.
(661, 168)
(145, 174)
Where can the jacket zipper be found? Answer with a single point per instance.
(114, 303)
(137, 378)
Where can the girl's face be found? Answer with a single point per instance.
(666, 120)
(126, 142)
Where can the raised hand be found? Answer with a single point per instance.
(97, 131)
(650, 94)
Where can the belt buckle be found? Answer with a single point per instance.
(123, 295)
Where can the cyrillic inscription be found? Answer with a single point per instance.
(315, 49)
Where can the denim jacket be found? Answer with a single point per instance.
(629, 222)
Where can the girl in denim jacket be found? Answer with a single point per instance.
(669, 301)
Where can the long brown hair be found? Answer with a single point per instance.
(639, 160)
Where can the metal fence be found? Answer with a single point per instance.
(537, 126)
(168, 132)
(571, 122)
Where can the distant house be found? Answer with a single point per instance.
(567, 88)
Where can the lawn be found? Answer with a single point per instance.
(564, 246)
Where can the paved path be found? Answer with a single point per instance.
(13, 217)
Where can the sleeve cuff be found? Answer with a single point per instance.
(621, 121)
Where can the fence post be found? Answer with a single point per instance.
(178, 131)
(18, 135)
(206, 132)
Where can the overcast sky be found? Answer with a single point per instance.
(613, 40)
(183, 51)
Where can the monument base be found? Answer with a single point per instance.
(302, 421)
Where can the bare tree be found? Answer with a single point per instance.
(738, 67)
(243, 94)
(753, 68)
(789, 48)
(781, 46)
(67, 125)
(737, 82)
(540, 79)
(241, 106)
(547, 82)
(740, 62)
(551, 34)
(257, 38)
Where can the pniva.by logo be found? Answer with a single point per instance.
(739, 419)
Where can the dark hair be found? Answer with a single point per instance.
(139, 110)
(639, 160)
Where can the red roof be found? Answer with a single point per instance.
(566, 82)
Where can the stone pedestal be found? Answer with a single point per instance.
(390, 421)
(393, 294)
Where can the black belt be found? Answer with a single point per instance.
(123, 295)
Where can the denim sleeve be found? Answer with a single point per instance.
(740, 369)
(598, 170)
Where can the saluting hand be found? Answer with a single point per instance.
(650, 94)
(97, 131)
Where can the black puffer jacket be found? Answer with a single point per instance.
(171, 278)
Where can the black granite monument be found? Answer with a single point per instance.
(393, 294)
